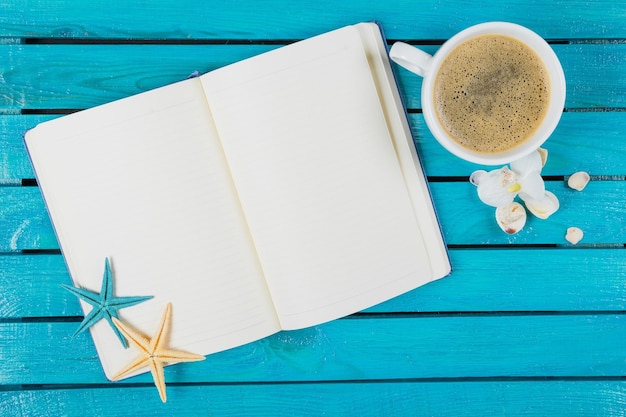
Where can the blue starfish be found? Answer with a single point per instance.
(105, 304)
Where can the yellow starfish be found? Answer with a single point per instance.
(153, 352)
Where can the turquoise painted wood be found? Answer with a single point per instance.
(594, 142)
(471, 346)
(590, 279)
(596, 83)
(402, 398)
(277, 19)
(526, 324)
(598, 210)
(602, 135)
(79, 76)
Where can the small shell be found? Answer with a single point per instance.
(574, 235)
(476, 176)
(511, 218)
(578, 180)
(543, 208)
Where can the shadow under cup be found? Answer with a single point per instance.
(423, 64)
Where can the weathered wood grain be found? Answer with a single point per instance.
(14, 162)
(598, 210)
(583, 141)
(482, 281)
(23, 217)
(595, 76)
(30, 286)
(515, 330)
(518, 280)
(197, 19)
(590, 141)
(537, 398)
(80, 76)
(374, 349)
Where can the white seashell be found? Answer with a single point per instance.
(545, 207)
(476, 176)
(511, 218)
(578, 180)
(574, 235)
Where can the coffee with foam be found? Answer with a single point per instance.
(491, 93)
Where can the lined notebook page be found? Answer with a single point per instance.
(144, 182)
(318, 177)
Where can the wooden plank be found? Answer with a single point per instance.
(30, 286)
(599, 211)
(579, 355)
(594, 142)
(581, 64)
(588, 280)
(80, 76)
(369, 349)
(522, 280)
(25, 222)
(14, 162)
(392, 398)
(288, 20)
(590, 141)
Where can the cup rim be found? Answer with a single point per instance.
(557, 93)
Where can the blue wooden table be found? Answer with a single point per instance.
(527, 324)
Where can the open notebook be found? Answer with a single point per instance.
(276, 193)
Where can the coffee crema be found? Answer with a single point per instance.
(491, 93)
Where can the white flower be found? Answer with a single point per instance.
(544, 207)
(498, 188)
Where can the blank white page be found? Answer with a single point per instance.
(144, 182)
(410, 165)
(318, 177)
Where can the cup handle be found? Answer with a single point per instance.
(411, 58)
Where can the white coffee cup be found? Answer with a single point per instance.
(427, 66)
